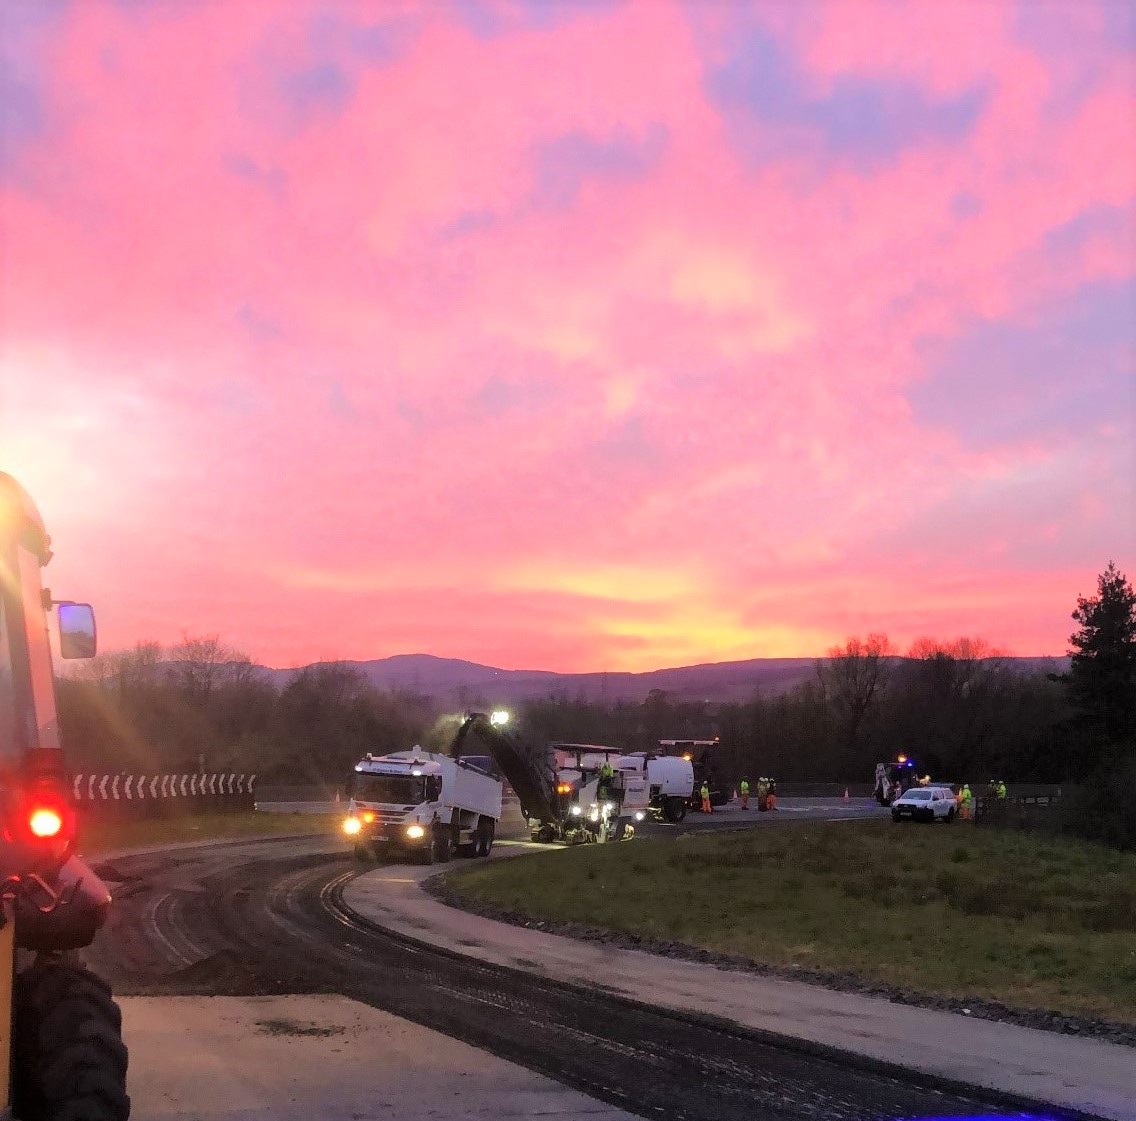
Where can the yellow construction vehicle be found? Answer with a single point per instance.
(62, 1030)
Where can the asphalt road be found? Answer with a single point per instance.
(789, 809)
(269, 918)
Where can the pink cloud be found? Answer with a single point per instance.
(293, 308)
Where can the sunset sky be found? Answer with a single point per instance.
(584, 336)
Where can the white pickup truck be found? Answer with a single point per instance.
(422, 803)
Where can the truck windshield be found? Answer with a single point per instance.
(401, 790)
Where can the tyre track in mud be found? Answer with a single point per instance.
(266, 923)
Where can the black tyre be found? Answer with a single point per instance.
(894, 816)
(486, 827)
(429, 851)
(442, 847)
(950, 818)
(69, 1061)
(674, 810)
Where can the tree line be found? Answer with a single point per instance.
(959, 707)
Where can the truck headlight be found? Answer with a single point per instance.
(608, 807)
(639, 815)
(414, 832)
(351, 826)
(576, 811)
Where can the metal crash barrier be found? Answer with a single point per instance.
(139, 796)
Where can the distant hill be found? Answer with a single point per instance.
(452, 680)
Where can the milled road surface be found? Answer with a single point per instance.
(269, 918)
(789, 809)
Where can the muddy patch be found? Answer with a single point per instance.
(293, 1027)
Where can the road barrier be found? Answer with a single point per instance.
(140, 796)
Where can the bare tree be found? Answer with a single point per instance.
(853, 679)
(200, 664)
(955, 689)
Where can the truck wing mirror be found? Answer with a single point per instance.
(77, 635)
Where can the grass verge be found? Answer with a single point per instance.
(105, 836)
(1033, 922)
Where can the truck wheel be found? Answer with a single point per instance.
(442, 846)
(950, 818)
(674, 810)
(429, 851)
(620, 829)
(69, 1061)
(485, 831)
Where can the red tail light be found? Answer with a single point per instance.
(45, 822)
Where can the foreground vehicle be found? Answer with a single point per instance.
(925, 803)
(67, 1059)
(422, 803)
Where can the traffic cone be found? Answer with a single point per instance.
(846, 794)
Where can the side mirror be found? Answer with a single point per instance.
(77, 636)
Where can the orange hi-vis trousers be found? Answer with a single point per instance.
(706, 807)
(745, 801)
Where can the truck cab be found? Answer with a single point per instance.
(421, 803)
(893, 780)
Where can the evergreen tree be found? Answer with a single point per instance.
(1102, 677)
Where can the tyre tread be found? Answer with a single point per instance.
(70, 1061)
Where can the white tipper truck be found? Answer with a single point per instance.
(422, 803)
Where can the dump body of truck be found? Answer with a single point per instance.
(422, 803)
